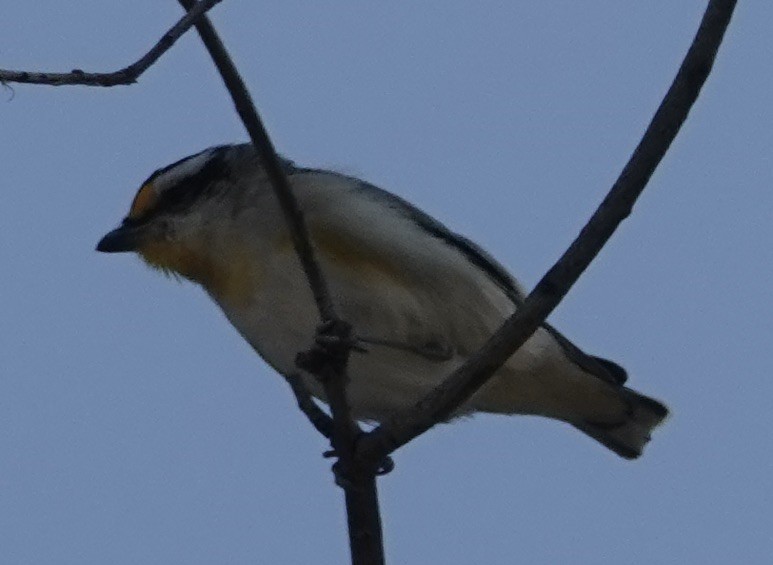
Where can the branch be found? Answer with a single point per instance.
(361, 457)
(438, 405)
(127, 75)
(357, 480)
(259, 136)
(328, 362)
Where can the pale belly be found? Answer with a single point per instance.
(538, 379)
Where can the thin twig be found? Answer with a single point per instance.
(328, 362)
(364, 521)
(361, 458)
(127, 75)
(438, 405)
(357, 480)
(260, 139)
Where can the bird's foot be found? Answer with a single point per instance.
(333, 341)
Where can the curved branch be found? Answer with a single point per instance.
(462, 384)
(358, 482)
(127, 75)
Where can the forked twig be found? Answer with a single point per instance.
(365, 455)
(358, 482)
(127, 75)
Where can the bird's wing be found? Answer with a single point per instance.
(406, 281)
(401, 278)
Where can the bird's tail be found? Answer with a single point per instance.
(629, 438)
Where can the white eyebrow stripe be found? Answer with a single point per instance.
(187, 168)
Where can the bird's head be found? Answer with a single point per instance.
(189, 218)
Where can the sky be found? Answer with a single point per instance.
(137, 427)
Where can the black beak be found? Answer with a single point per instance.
(123, 238)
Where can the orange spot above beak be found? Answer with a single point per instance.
(144, 202)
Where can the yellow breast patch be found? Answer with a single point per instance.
(234, 280)
(352, 256)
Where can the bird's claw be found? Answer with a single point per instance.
(333, 341)
(335, 337)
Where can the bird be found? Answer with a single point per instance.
(420, 298)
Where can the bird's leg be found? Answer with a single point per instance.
(327, 361)
(331, 334)
(332, 343)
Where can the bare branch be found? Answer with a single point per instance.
(328, 361)
(260, 139)
(358, 481)
(462, 384)
(364, 521)
(127, 75)
(361, 456)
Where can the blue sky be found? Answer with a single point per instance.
(137, 427)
